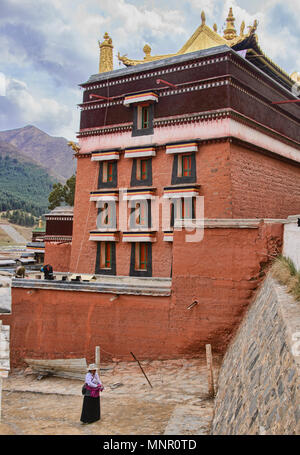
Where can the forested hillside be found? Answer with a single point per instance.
(23, 184)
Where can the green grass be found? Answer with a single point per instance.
(285, 272)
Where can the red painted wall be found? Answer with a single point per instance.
(58, 255)
(221, 272)
(263, 186)
(83, 255)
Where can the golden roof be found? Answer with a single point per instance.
(203, 38)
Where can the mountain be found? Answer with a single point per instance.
(24, 184)
(51, 153)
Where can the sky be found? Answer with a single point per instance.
(48, 47)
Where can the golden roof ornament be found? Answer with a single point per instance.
(106, 54)
(205, 38)
(230, 31)
(74, 146)
(295, 76)
(242, 29)
(147, 51)
(252, 28)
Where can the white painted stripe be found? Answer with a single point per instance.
(210, 129)
(191, 148)
(139, 154)
(140, 99)
(105, 157)
(103, 197)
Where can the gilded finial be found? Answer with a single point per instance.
(203, 18)
(242, 29)
(254, 27)
(106, 54)
(215, 28)
(295, 76)
(230, 31)
(74, 146)
(40, 223)
(147, 50)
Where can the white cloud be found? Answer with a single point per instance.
(60, 45)
(47, 113)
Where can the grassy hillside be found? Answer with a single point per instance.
(51, 153)
(23, 184)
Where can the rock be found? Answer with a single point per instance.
(116, 385)
(116, 360)
(28, 371)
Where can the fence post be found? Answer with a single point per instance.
(210, 376)
(97, 357)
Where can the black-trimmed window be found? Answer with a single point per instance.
(107, 216)
(185, 165)
(184, 168)
(141, 259)
(141, 174)
(143, 115)
(106, 258)
(182, 208)
(108, 177)
(140, 214)
(142, 169)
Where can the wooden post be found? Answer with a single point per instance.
(210, 376)
(0, 395)
(0, 378)
(97, 357)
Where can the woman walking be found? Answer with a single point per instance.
(91, 402)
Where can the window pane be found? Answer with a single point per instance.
(187, 166)
(143, 169)
(145, 117)
(107, 255)
(110, 172)
(143, 256)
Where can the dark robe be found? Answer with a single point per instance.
(90, 410)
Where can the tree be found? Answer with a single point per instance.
(56, 196)
(62, 193)
(69, 190)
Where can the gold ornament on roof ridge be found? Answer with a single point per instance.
(205, 37)
(230, 31)
(106, 54)
(74, 146)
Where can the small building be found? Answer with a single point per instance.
(36, 248)
(58, 237)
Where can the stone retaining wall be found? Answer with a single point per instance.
(259, 381)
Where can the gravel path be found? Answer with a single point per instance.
(177, 403)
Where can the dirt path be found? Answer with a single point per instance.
(13, 233)
(177, 403)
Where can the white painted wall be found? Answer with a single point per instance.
(291, 240)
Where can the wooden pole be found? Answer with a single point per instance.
(97, 357)
(141, 368)
(0, 395)
(0, 378)
(210, 376)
